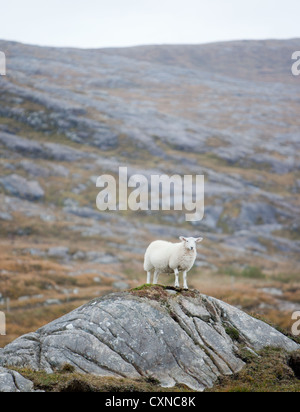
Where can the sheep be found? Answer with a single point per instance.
(167, 257)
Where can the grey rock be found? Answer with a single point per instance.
(34, 169)
(79, 189)
(279, 167)
(212, 216)
(95, 230)
(256, 213)
(50, 302)
(52, 151)
(232, 154)
(5, 216)
(70, 203)
(59, 252)
(272, 291)
(47, 217)
(179, 339)
(11, 381)
(23, 298)
(9, 166)
(79, 255)
(190, 307)
(100, 257)
(120, 285)
(255, 332)
(63, 153)
(84, 212)
(21, 145)
(20, 187)
(245, 240)
(59, 170)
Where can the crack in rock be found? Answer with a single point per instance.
(11, 381)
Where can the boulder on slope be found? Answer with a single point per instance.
(156, 332)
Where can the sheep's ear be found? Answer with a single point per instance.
(183, 239)
(199, 240)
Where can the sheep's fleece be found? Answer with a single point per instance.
(167, 257)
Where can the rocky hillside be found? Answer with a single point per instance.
(229, 111)
(152, 332)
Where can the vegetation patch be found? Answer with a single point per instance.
(233, 333)
(66, 380)
(160, 293)
(294, 363)
(270, 371)
(250, 272)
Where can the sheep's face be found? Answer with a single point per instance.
(191, 242)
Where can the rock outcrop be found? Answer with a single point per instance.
(173, 337)
(20, 187)
(11, 381)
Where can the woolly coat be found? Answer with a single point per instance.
(166, 257)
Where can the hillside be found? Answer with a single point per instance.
(261, 60)
(229, 111)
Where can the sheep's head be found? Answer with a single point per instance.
(191, 242)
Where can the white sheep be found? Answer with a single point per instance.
(167, 257)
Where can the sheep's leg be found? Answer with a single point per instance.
(156, 274)
(185, 285)
(148, 278)
(176, 272)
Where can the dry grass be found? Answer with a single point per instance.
(269, 372)
(272, 371)
(37, 290)
(66, 380)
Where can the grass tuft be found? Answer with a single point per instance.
(270, 371)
